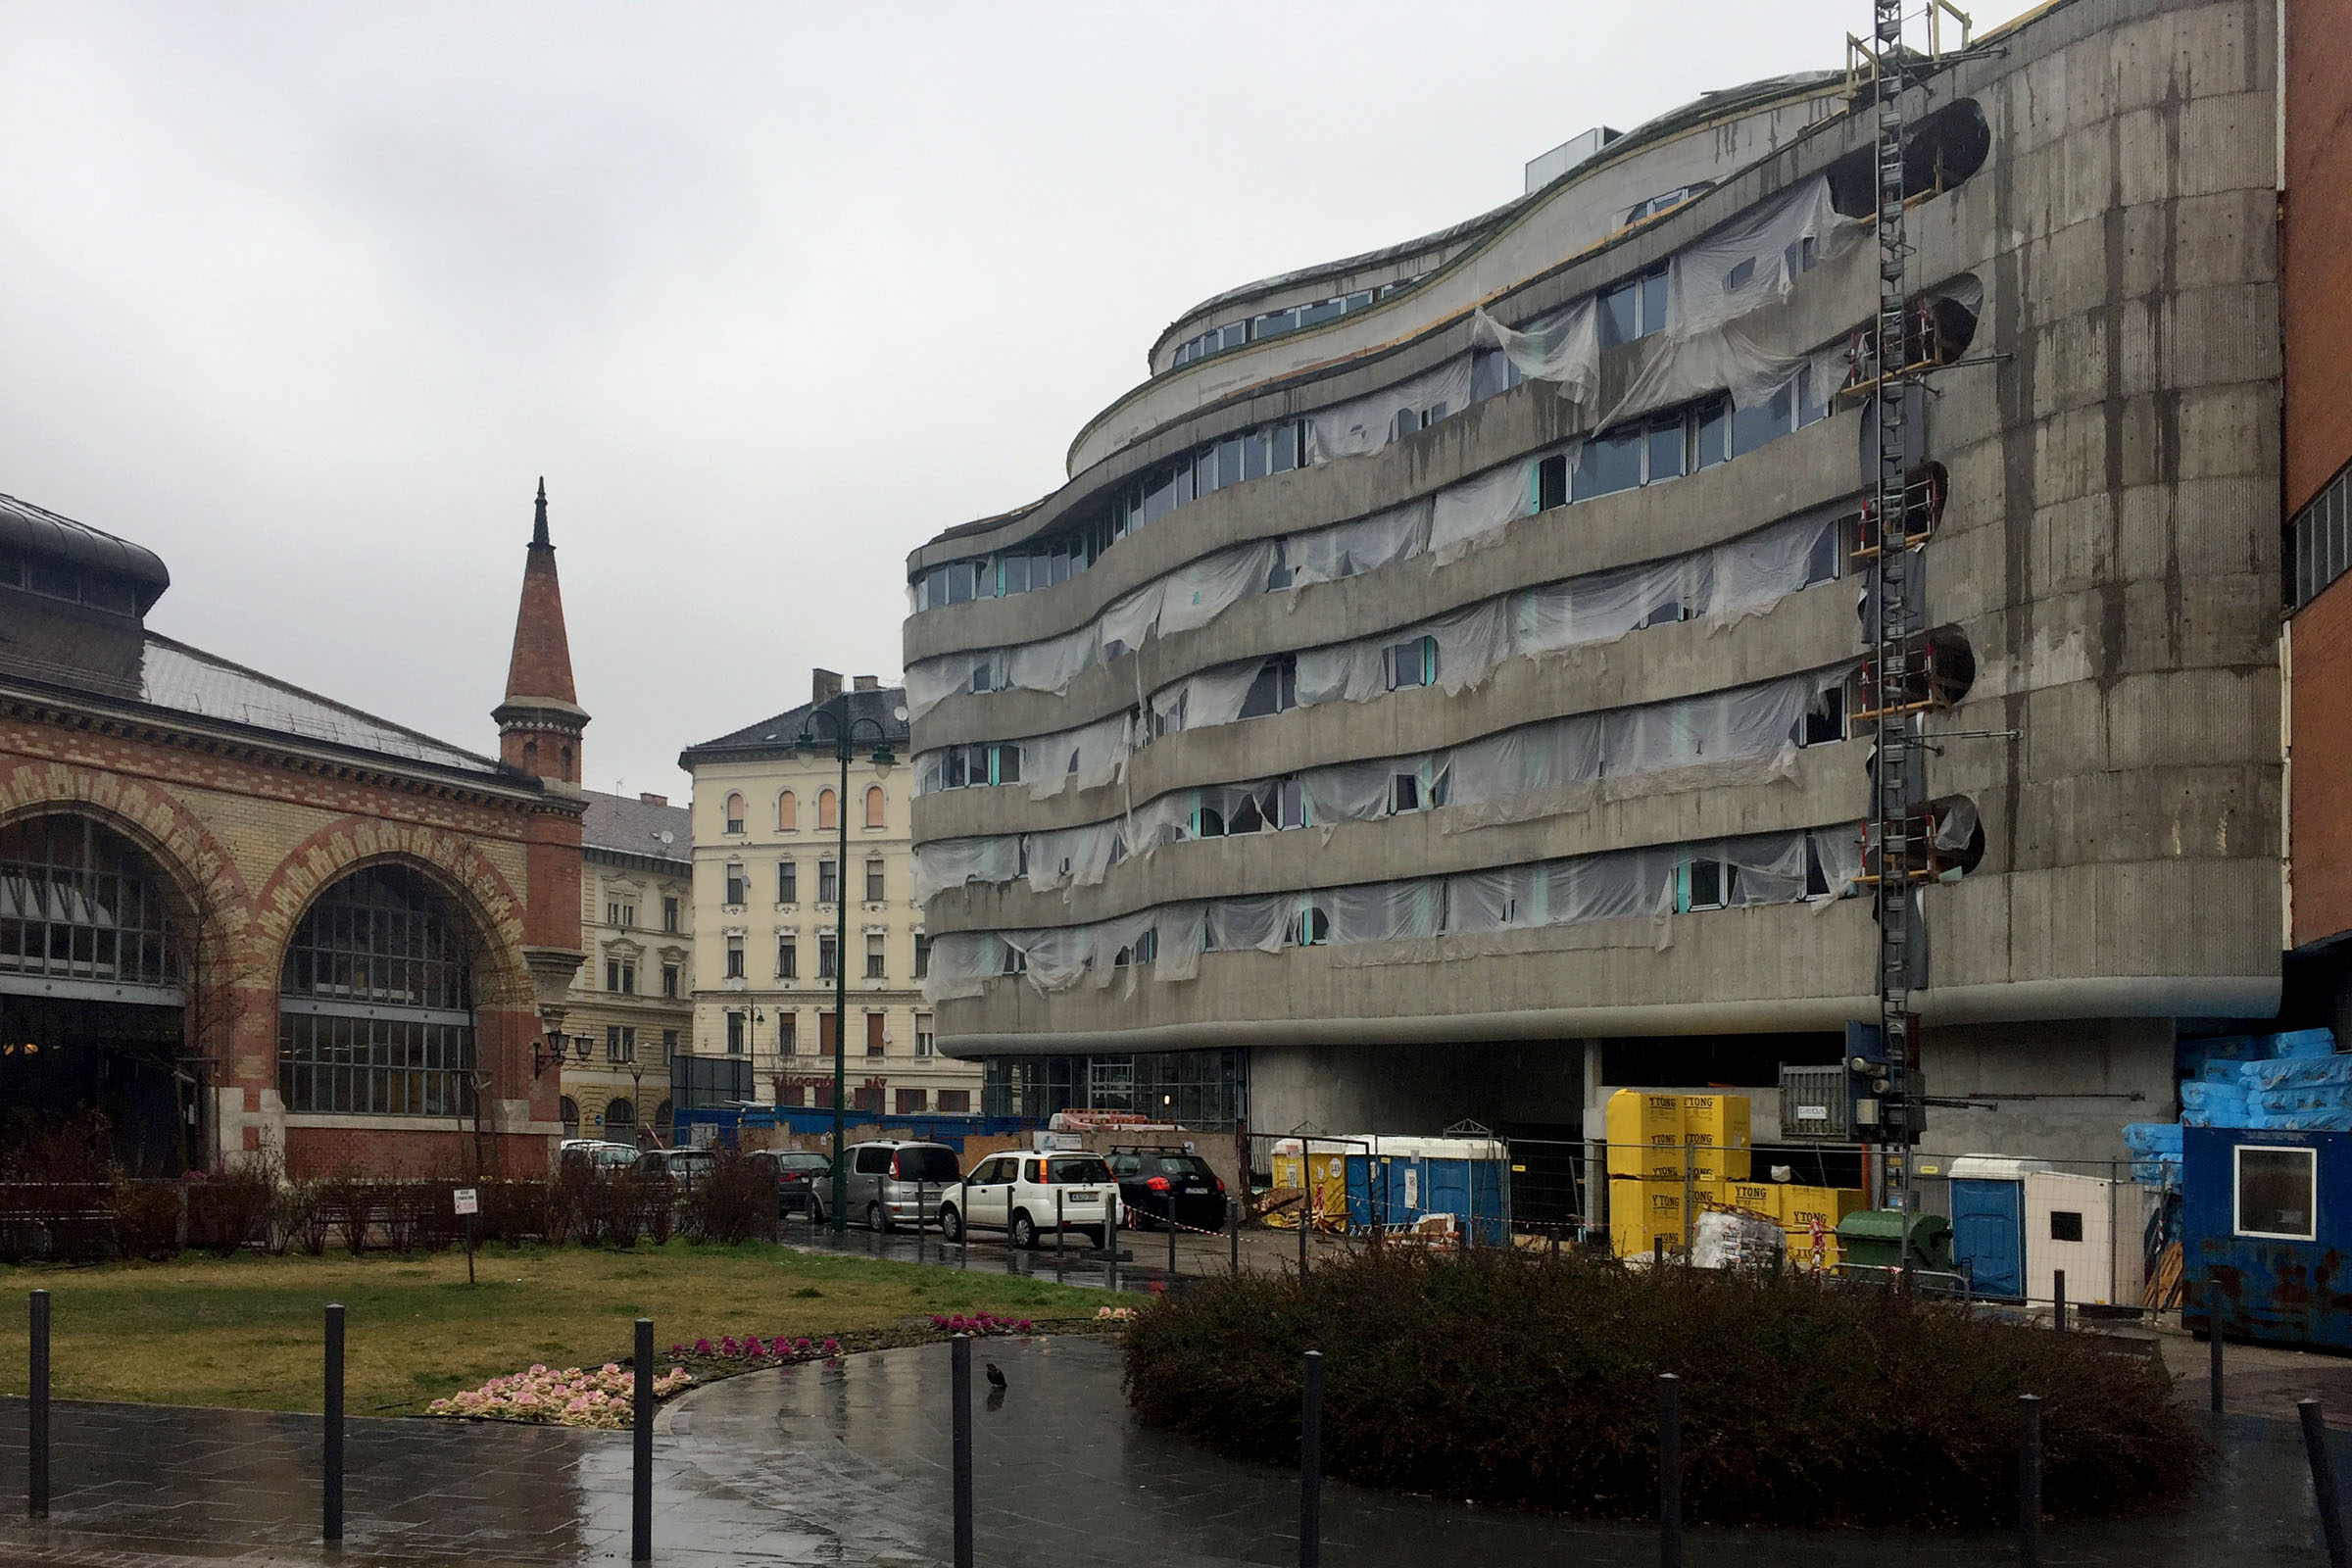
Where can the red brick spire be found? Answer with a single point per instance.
(539, 724)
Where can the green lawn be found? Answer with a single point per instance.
(246, 1331)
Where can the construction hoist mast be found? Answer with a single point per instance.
(1898, 808)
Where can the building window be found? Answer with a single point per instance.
(670, 1046)
(623, 915)
(788, 813)
(620, 1118)
(926, 1042)
(734, 814)
(375, 1009)
(2320, 546)
(1275, 689)
(788, 958)
(788, 882)
(1314, 926)
(877, 806)
(828, 1029)
(956, 1101)
(827, 811)
(922, 956)
(620, 975)
(620, 1043)
(568, 1110)
(1410, 663)
(734, 1032)
(825, 964)
(788, 1033)
(669, 981)
(735, 887)
(874, 1036)
(734, 958)
(866, 1097)
(828, 882)
(1635, 308)
(2276, 1193)
(912, 1101)
(874, 889)
(670, 915)
(875, 960)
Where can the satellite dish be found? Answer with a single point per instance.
(667, 837)
(900, 713)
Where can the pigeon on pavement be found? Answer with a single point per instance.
(996, 1379)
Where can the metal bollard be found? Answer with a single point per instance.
(1233, 1226)
(2213, 1339)
(1171, 1234)
(37, 1413)
(641, 1470)
(1058, 1233)
(1670, 1470)
(1310, 1464)
(960, 1421)
(2058, 1300)
(1303, 1238)
(963, 1240)
(2029, 1482)
(331, 1524)
(2323, 1480)
(923, 1212)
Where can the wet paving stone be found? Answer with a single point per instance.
(846, 1463)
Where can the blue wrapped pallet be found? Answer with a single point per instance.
(2296, 1072)
(2155, 1152)
(2204, 1104)
(2301, 1043)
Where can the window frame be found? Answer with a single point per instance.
(2308, 1154)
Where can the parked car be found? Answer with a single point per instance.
(1016, 1193)
(889, 1183)
(597, 1152)
(1155, 1183)
(685, 1166)
(799, 1177)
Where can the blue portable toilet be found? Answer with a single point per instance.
(1988, 1222)
(2266, 1213)
(1407, 1179)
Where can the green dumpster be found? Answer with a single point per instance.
(1876, 1237)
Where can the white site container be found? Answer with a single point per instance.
(2089, 1226)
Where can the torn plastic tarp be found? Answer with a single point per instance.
(1562, 346)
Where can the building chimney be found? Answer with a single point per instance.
(823, 683)
(867, 683)
(539, 724)
(654, 800)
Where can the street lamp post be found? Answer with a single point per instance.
(844, 738)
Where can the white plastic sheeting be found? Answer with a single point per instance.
(1562, 346)
(1752, 261)
(1619, 884)
(1367, 424)
(1462, 514)
(1541, 769)
(1470, 643)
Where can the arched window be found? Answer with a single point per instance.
(825, 809)
(734, 814)
(788, 813)
(569, 1110)
(877, 809)
(79, 903)
(620, 1118)
(375, 1002)
(661, 1122)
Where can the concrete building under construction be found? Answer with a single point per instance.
(1454, 682)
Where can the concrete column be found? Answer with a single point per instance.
(1597, 1168)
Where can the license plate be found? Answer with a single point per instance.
(1086, 1197)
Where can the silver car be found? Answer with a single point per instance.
(887, 1183)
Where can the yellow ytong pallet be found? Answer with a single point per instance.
(1801, 1205)
(1643, 1212)
(1717, 1128)
(1646, 1135)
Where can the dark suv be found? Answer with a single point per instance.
(1154, 1183)
(799, 1176)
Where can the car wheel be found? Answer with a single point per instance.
(816, 1211)
(951, 1223)
(1098, 1237)
(876, 1220)
(1024, 1229)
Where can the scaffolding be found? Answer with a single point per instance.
(1899, 830)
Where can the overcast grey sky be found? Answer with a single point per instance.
(307, 297)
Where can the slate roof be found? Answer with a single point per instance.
(192, 681)
(627, 825)
(39, 531)
(774, 737)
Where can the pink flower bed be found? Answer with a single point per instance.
(571, 1397)
(977, 1324)
(754, 1348)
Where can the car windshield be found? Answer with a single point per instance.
(1063, 1169)
(1176, 1164)
(802, 1161)
(932, 1164)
